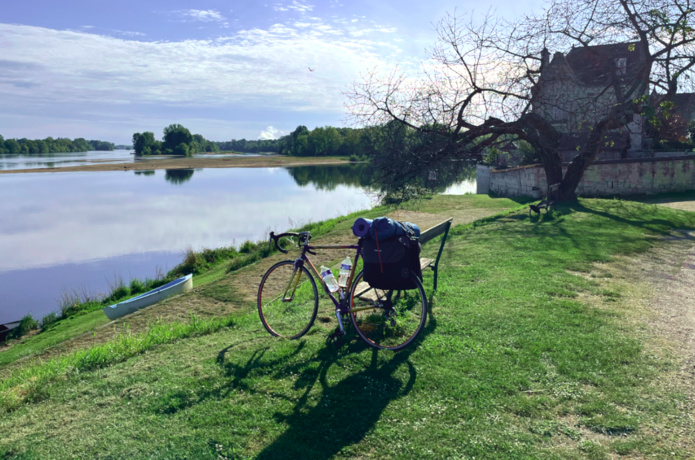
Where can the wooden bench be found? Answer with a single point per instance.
(364, 291)
(548, 202)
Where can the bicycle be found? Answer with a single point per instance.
(288, 300)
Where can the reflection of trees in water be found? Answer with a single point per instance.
(427, 181)
(329, 177)
(147, 172)
(178, 176)
(367, 175)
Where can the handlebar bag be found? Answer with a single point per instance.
(388, 263)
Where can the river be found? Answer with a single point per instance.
(80, 233)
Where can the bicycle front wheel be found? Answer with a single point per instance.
(287, 300)
(388, 320)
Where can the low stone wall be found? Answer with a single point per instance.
(482, 179)
(605, 178)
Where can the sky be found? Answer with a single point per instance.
(231, 69)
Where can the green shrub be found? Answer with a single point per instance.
(246, 247)
(79, 308)
(136, 286)
(118, 292)
(26, 324)
(354, 158)
(49, 319)
(198, 262)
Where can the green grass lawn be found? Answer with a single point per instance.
(77, 325)
(514, 363)
(55, 334)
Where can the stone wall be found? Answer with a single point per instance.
(482, 179)
(605, 178)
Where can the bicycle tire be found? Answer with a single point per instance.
(282, 317)
(389, 324)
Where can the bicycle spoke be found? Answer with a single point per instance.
(287, 300)
(388, 319)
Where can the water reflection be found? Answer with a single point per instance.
(331, 176)
(80, 230)
(178, 176)
(57, 226)
(54, 160)
(454, 177)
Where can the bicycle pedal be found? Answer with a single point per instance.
(336, 338)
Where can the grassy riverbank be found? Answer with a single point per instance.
(536, 347)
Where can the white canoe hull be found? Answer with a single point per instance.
(126, 307)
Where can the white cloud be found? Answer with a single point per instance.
(271, 133)
(259, 67)
(300, 7)
(73, 83)
(201, 15)
(128, 33)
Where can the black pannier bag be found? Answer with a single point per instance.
(399, 257)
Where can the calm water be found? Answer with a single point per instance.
(58, 160)
(80, 232)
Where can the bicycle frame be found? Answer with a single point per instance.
(341, 306)
(379, 320)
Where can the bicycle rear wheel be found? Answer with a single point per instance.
(388, 320)
(287, 300)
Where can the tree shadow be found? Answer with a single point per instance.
(632, 217)
(347, 410)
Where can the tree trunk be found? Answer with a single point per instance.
(579, 164)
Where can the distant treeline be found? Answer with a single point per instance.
(322, 141)
(50, 145)
(177, 140)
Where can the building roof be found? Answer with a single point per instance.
(596, 65)
(684, 104)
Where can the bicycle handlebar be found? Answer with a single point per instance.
(304, 238)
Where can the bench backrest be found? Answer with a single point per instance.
(430, 234)
(433, 232)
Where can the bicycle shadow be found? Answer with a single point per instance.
(347, 410)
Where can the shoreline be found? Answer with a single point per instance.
(193, 163)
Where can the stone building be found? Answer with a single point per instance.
(577, 89)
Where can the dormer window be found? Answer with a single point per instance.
(621, 66)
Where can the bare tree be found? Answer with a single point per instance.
(492, 80)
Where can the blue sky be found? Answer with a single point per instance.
(225, 69)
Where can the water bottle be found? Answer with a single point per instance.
(345, 267)
(329, 279)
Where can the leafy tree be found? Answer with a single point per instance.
(12, 146)
(481, 87)
(181, 149)
(42, 146)
(2, 145)
(175, 135)
(101, 145)
(142, 143)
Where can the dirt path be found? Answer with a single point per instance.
(268, 161)
(682, 205)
